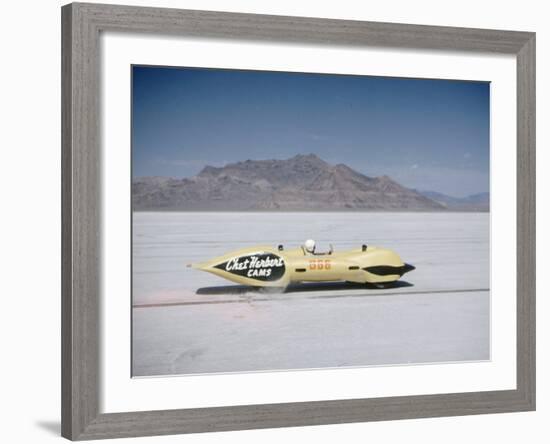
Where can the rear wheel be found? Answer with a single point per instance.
(380, 285)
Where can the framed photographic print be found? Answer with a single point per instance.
(279, 221)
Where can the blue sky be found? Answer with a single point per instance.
(426, 134)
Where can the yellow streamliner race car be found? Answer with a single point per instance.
(265, 266)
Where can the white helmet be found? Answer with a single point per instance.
(309, 245)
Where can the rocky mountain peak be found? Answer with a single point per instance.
(304, 182)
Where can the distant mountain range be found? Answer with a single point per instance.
(474, 202)
(301, 183)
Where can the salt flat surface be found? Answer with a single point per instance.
(188, 321)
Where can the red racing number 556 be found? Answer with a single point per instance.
(320, 264)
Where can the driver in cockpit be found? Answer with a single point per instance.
(309, 246)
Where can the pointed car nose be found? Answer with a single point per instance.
(408, 267)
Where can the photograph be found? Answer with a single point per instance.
(237, 222)
(298, 221)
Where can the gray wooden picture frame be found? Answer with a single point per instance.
(81, 171)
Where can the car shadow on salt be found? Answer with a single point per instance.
(300, 288)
